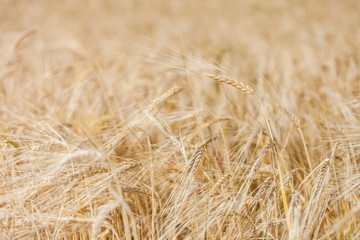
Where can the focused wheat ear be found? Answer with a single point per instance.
(160, 100)
(239, 85)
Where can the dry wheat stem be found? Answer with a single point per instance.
(246, 89)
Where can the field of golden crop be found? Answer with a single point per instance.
(171, 119)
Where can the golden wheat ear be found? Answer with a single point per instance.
(239, 85)
(160, 100)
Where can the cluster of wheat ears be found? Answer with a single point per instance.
(244, 128)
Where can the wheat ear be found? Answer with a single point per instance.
(218, 183)
(239, 85)
(160, 100)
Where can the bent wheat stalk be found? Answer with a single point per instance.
(248, 90)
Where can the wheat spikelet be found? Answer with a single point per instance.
(264, 186)
(263, 189)
(294, 119)
(259, 157)
(160, 100)
(219, 183)
(323, 206)
(194, 163)
(239, 85)
(104, 211)
(315, 206)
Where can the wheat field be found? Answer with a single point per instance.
(171, 119)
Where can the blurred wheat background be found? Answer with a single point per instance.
(122, 119)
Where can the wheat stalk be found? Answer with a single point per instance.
(248, 90)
